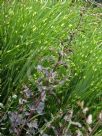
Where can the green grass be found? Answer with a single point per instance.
(28, 27)
(31, 33)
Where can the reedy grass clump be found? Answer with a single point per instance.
(55, 48)
(30, 29)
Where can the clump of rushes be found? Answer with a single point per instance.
(51, 69)
(30, 28)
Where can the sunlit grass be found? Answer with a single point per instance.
(31, 35)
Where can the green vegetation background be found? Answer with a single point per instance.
(30, 35)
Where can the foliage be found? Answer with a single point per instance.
(51, 68)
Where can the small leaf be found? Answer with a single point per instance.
(1, 105)
(40, 107)
(81, 104)
(100, 116)
(27, 92)
(14, 96)
(89, 119)
(85, 110)
(33, 124)
(39, 68)
(43, 96)
(22, 101)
